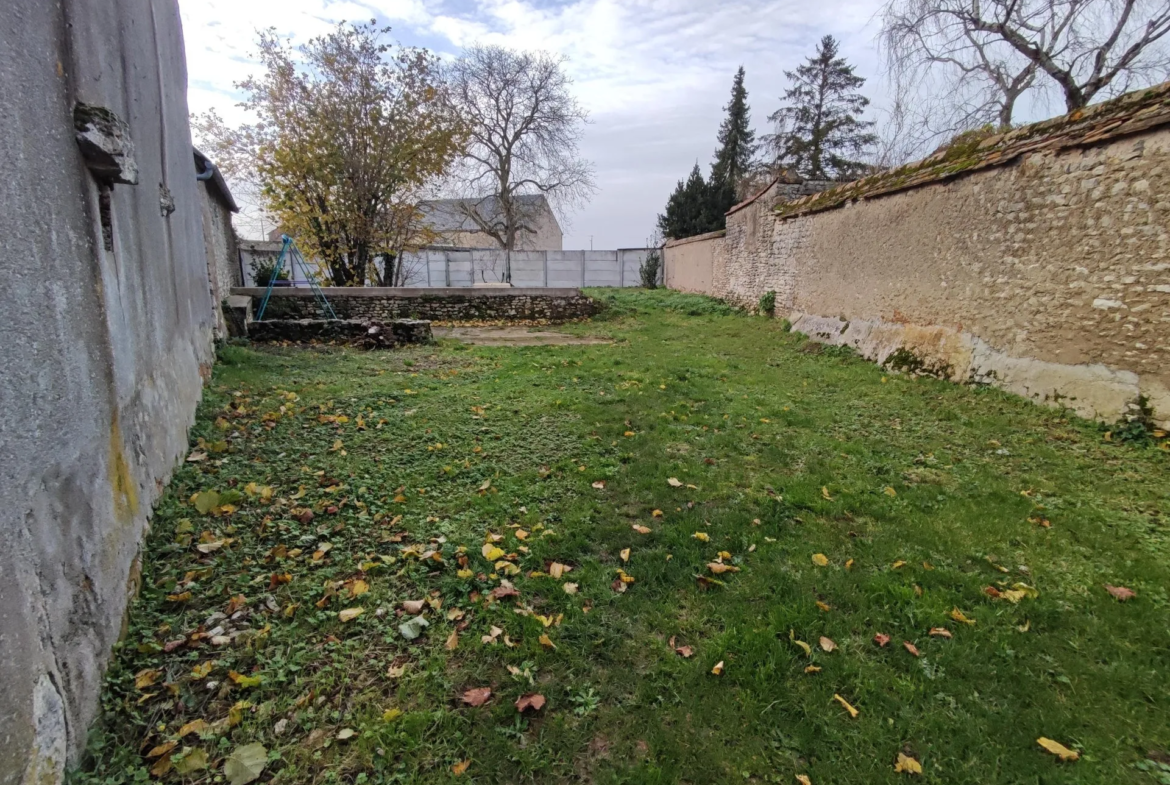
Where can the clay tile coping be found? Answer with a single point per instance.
(1128, 114)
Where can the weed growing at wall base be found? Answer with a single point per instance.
(694, 555)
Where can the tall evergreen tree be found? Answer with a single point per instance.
(688, 211)
(818, 133)
(737, 145)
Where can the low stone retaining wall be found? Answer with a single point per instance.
(357, 332)
(437, 304)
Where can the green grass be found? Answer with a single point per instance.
(920, 493)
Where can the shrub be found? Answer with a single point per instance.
(650, 269)
(262, 272)
(768, 303)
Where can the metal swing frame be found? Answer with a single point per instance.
(293, 254)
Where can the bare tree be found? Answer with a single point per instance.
(524, 132)
(994, 51)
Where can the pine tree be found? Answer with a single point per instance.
(818, 133)
(688, 211)
(737, 145)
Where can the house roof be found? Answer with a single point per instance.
(216, 184)
(1129, 114)
(449, 215)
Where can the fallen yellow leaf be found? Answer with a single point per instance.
(718, 669)
(820, 559)
(459, 768)
(803, 779)
(674, 482)
(702, 536)
(641, 529)
(546, 641)
(492, 552)
(570, 588)
(890, 491)
(959, 616)
(1058, 749)
(804, 647)
(452, 641)
(907, 765)
(825, 493)
(719, 568)
(656, 514)
(827, 644)
(349, 614)
(852, 711)
(625, 554)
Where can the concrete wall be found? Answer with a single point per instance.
(223, 257)
(103, 351)
(688, 264)
(1049, 276)
(444, 267)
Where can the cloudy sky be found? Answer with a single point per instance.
(653, 74)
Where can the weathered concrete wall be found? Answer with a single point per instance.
(103, 351)
(688, 263)
(1049, 276)
(448, 305)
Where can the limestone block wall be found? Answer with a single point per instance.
(454, 304)
(1049, 276)
(107, 335)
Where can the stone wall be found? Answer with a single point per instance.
(354, 332)
(223, 257)
(439, 305)
(108, 334)
(1047, 273)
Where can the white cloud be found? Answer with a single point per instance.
(654, 74)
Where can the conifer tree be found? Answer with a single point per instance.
(818, 133)
(733, 159)
(688, 211)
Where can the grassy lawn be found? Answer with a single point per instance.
(836, 502)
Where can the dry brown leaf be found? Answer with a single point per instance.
(556, 570)
(941, 632)
(881, 639)
(599, 485)
(813, 669)
(719, 567)
(461, 767)
(1120, 593)
(910, 647)
(803, 779)
(349, 614)
(477, 696)
(718, 669)
(827, 644)
(452, 641)
(641, 529)
(534, 701)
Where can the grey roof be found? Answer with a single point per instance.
(217, 184)
(447, 215)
